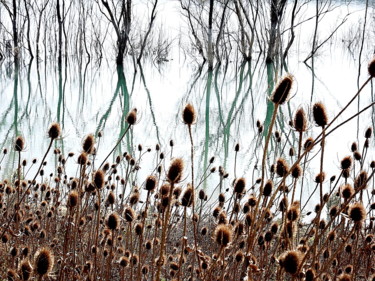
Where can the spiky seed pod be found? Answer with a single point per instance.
(357, 212)
(300, 121)
(223, 235)
(111, 198)
(43, 262)
(252, 201)
(239, 185)
(151, 182)
(164, 189)
(19, 144)
(175, 170)
(320, 114)
(297, 171)
(310, 274)
(368, 133)
(189, 115)
(99, 179)
(349, 269)
(88, 144)
(131, 118)
(333, 211)
(177, 192)
(357, 156)
(54, 131)
(282, 90)
(371, 68)
(12, 275)
(73, 199)
(347, 191)
(124, 261)
(5, 238)
(129, 214)
(282, 167)
(319, 178)
(293, 212)
(25, 270)
(291, 261)
(138, 228)
(361, 180)
(82, 159)
(331, 236)
(201, 194)
(113, 221)
(267, 190)
(346, 162)
(134, 198)
(187, 197)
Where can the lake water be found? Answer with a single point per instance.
(87, 98)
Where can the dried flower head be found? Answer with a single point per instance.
(239, 185)
(282, 167)
(131, 118)
(99, 179)
(290, 261)
(357, 212)
(113, 221)
(151, 182)
(282, 90)
(300, 121)
(175, 170)
(187, 197)
(320, 114)
(188, 114)
(88, 144)
(25, 270)
(371, 68)
(19, 144)
(54, 131)
(43, 262)
(223, 235)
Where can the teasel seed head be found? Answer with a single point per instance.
(111, 198)
(239, 186)
(138, 229)
(54, 131)
(319, 178)
(294, 211)
(151, 183)
(361, 180)
(320, 114)
(25, 270)
(297, 171)
(187, 197)
(189, 115)
(73, 199)
(282, 90)
(129, 214)
(99, 179)
(282, 167)
(300, 121)
(223, 235)
(43, 262)
(88, 144)
(291, 261)
(131, 118)
(310, 274)
(371, 68)
(357, 212)
(175, 170)
(19, 143)
(346, 162)
(124, 261)
(368, 133)
(268, 187)
(347, 191)
(113, 221)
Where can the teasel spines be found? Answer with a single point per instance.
(54, 131)
(99, 179)
(282, 90)
(282, 167)
(357, 212)
(371, 68)
(347, 191)
(25, 270)
(300, 121)
(239, 186)
(346, 162)
(113, 221)
(175, 170)
(187, 197)
(320, 114)
(19, 143)
(151, 182)
(131, 118)
(223, 235)
(73, 199)
(291, 261)
(188, 114)
(43, 262)
(88, 144)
